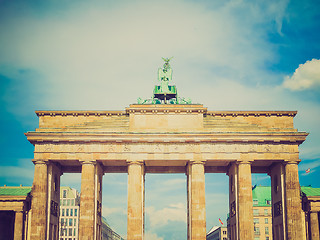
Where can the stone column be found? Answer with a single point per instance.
(293, 204)
(245, 211)
(233, 201)
(278, 201)
(314, 225)
(39, 201)
(98, 200)
(87, 201)
(135, 227)
(196, 201)
(18, 225)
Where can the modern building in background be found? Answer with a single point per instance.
(69, 217)
(69, 213)
(107, 232)
(262, 212)
(218, 233)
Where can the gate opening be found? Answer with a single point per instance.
(165, 206)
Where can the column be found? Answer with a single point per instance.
(39, 201)
(233, 215)
(245, 211)
(293, 204)
(98, 200)
(18, 225)
(87, 201)
(314, 225)
(278, 201)
(135, 227)
(196, 201)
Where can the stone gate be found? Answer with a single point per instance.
(167, 138)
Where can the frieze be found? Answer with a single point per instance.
(153, 147)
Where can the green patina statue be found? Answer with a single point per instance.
(165, 93)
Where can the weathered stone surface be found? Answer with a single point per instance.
(293, 202)
(87, 203)
(135, 224)
(18, 225)
(39, 201)
(168, 139)
(196, 201)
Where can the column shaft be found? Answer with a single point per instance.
(314, 225)
(196, 200)
(293, 204)
(135, 228)
(87, 202)
(18, 225)
(39, 201)
(245, 211)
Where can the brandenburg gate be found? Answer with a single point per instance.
(167, 134)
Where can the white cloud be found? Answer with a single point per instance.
(16, 172)
(106, 211)
(174, 212)
(152, 236)
(306, 76)
(312, 164)
(93, 56)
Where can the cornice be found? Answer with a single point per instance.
(251, 113)
(154, 109)
(165, 108)
(258, 138)
(80, 113)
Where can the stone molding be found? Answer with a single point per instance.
(292, 161)
(40, 161)
(132, 162)
(83, 162)
(252, 113)
(80, 113)
(242, 138)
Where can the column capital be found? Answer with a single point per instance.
(83, 162)
(40, 161)
(292, 161)
(244, 161)
(192, 162)
(132, 162)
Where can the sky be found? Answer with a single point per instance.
(103, 55)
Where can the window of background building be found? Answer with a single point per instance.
(67, 212)
(64, 193)
(70, 231)
(74, 232)
(267, 231)
(75, 222)
(266, 220)
(64, 202)
(71, 212)
(72, 202)
(70, 222)
(257, 230)
(255, 202)
(266, 212)
(267, 238)
(256, 220)
(224, 232)
(75, 212)
(62, 212)
(268, 202)
(255, 212)
(68, 202)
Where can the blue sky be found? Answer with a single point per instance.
(103, 55)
